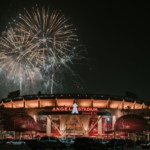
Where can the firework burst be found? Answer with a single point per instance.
(41, 43)
(16, 57)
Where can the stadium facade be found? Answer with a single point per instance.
(68, 115)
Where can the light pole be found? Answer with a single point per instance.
(14, 130)
(107, 123)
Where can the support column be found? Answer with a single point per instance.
(48, 126)
(113, 124)
(100, 127)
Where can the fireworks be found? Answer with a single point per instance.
(38, 46)
(16, 57)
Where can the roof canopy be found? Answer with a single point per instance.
(20, 123)
(131, 123)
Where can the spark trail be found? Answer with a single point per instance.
(41, 45)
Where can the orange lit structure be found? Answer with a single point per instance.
(95, 115)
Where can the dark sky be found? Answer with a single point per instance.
(116, 36)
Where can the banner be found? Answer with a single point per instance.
(93, 127)
(41, 123)
(55, 126)
(106, 125)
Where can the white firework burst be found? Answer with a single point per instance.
(39, 44)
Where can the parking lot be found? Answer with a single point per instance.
(24, 147)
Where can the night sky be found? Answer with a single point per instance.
(116, 37)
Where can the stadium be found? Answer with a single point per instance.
(75, 115)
